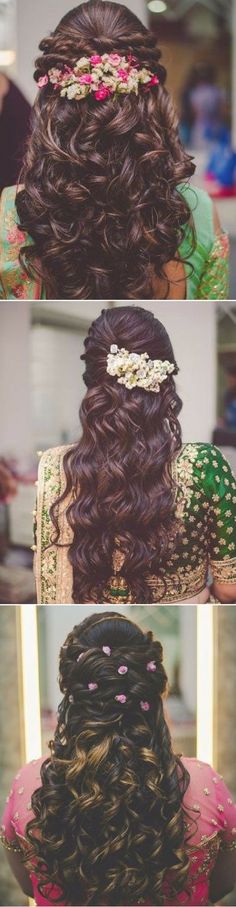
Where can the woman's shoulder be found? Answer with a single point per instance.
(18, 810)
(198, 199)
(14, 282)
(51, 462)
(197, 766)
(203, 467)
(202, 454)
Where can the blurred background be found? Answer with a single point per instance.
(199, 658)
(198, 42)
(41, 388)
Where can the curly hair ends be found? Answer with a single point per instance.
(109, 824)
(121, 470)
(100, 198)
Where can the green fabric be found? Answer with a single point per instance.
(199, 263)
(201, 207)
(206, 504)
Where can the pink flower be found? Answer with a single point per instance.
(123, 669)
(43, 80)
(145, 706)
(151, 666)
(95, 59)
(92, 686)
(18, 291)
(102, 93)
(123, 75)
(114, 59)
(133, 61)
(106, 650)
(153, 81)
(121, 698)
(15, 236)
(86, 79)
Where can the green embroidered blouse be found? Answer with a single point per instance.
(206, 265)
(206, 552)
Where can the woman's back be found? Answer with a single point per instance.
(211, 828)
(101, 206)
(205, 504)
(200, 271)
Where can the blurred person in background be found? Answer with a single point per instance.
(105, 209)
(8, 482)
(14, 130)
(112, 816)
(130, 513)
(204, 108)
(230, 399)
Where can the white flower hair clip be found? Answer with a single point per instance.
(137, 370)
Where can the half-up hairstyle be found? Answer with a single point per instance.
(109, 824)
(100, 198)
(120, 472)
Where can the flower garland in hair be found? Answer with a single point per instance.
(137, 370)
(101, 76)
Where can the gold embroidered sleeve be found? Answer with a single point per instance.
(221, 492)
(53, 571)
(215, 278)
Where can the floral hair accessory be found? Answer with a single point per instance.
(151, 666)
(123, 669)
(101, 76)
(92, 686)
(137, 370)
(106, 650)
(121, 698)
(145, 706)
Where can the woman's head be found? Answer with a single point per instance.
(120, 471)
(109, 822)
(101, 198)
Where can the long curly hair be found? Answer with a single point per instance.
(109, 825)
(100, 198)
(119, 476)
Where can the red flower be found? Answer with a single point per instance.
(102, 93)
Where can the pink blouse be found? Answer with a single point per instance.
(207, 797)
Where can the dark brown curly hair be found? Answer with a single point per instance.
(101, 200)
(120, 472)
(109, 826)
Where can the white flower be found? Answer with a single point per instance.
(73, 91)
(137, 370)
(83, 63)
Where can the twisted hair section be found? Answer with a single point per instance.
(109, 822)
(120, 472)
(101, 197)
